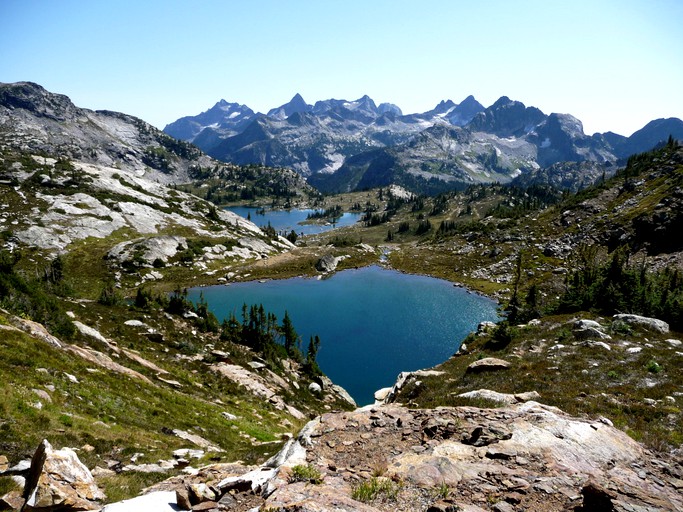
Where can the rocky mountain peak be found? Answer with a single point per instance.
(507, 118)
(443, 106)
(35, 99)
(463, 113)
(385, 108)
(296, 105)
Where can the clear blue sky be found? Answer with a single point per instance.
(613, 64)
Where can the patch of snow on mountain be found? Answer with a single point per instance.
(336, 161)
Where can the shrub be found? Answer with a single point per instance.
(306, 473)
(653, 366)
(376, 488)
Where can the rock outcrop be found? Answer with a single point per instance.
(58, 480)
(525, 456)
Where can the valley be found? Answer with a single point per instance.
(107, 222)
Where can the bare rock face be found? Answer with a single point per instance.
(387, 458)
(58, 480)
(521, 457)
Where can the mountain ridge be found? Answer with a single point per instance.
(504, 140)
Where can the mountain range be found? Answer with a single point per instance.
(344, 145)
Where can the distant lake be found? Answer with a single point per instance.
(373, 323)
(286, 220)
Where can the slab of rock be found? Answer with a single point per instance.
(650, 324)
(503, 398)
(196, 440)
(488, 364)
(104, 361)
(142, 361)
(59, 480)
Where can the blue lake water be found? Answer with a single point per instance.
(373, 323)
(286, 220)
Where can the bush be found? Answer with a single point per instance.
(306, 473)
(375, 488)
(653, 366)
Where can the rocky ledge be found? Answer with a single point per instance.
(526, 456)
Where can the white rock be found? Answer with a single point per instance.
(71, 378)
(161, 501)
(134, 323)
(645, 322)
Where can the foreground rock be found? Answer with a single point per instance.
(528, 455)
(525, 456)
(58, 480)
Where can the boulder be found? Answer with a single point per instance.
(589, 330)
(584, 324)
(327, 263)
(314, 387)
(59, 480)
(488, 364)
(650, 324)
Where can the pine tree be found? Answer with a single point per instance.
(291, 338)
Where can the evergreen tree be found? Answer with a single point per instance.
(290, 336)
(311, 365)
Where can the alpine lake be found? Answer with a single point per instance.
(373, 322)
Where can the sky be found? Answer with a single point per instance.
(615, 65)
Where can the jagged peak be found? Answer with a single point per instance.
(504, 101)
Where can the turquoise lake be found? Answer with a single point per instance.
(286, 220)
(373, 323)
